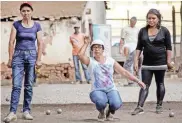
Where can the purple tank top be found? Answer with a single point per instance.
(26, 37)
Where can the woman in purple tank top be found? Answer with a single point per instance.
(23, 59)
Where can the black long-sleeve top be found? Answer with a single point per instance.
(155, 52)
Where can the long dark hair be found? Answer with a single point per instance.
(158, 14)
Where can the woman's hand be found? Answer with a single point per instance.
(86, 40)
(38, 64)
(142, 85)
(135, 66)
(9, 63)
(170, 66)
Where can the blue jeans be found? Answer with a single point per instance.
(23, 65)
(77, 69)
(101, 98)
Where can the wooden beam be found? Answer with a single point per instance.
(181, 33)
(174, 31)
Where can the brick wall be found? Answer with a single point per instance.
(48, 72)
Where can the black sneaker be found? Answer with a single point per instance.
(88, 82)
(159, 109)
(137, 110)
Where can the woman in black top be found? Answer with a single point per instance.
(155, 42)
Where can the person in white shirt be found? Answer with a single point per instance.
(128, 43)
(104, 93)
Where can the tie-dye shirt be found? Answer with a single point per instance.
(102, 74)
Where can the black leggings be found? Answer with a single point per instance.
(147, 78)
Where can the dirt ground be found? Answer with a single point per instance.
(86, 113)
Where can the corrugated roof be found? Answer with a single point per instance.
(56, 9)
